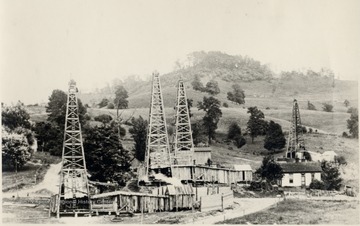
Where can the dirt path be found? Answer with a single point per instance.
(50, 183)
(245, 206)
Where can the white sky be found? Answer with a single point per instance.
(45, 43)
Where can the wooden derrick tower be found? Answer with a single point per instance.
(295, 144)
(183, 142)
(74, 187)
(157, 155)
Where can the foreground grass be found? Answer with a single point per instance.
(304, 212)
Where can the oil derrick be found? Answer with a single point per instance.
(295, 144)
(157, 155)
(183, 142)
(74, 188)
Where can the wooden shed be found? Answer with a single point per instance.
(201, 155)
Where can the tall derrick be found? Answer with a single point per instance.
(74, 187)
(157, 155)
(295, 144)
(183, 142)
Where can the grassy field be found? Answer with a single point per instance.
(25, 177)
(304, 212)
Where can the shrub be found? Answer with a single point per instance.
(311, 106)
(104, 118)
(239, 141)
(225, 105)
(307, 156)
(327, 107)
(110, 106)
(316, 184)
(344, 134)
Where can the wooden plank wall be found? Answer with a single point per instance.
(137, 203)
(223, 176)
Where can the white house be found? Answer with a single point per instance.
(300, 174)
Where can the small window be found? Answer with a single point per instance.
(291, 178)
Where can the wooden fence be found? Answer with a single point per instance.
(216, 201)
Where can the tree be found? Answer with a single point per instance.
(139, 133)
(274, 138)
(310, 106)
(121, 96)
(56, 108)
(270, 170)
(212, 87)
(104, 102)
(104, 118)
(233, 131)
(346, 103)
(190, 104)
(198, 132)
(211, 106)
(327, 107)
(15, 116)
(197, 84)
(237, 96)
(353, 123)
(16, 150)
(106, 159)
(49, 138)
(330, 176)
(256, 125)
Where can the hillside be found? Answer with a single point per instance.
(261, 87)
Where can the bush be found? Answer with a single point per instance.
(316, 184)
(233, 131)
(239, 141)
(327, 107)
(110, 106)
(307, 156)
(311, 106)
(104, 118)
(344, 134)
(310, 130)
(225, 105)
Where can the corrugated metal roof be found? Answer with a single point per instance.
(242, 167)
(300, 167)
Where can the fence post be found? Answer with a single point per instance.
(222, 202)
(200, 202)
